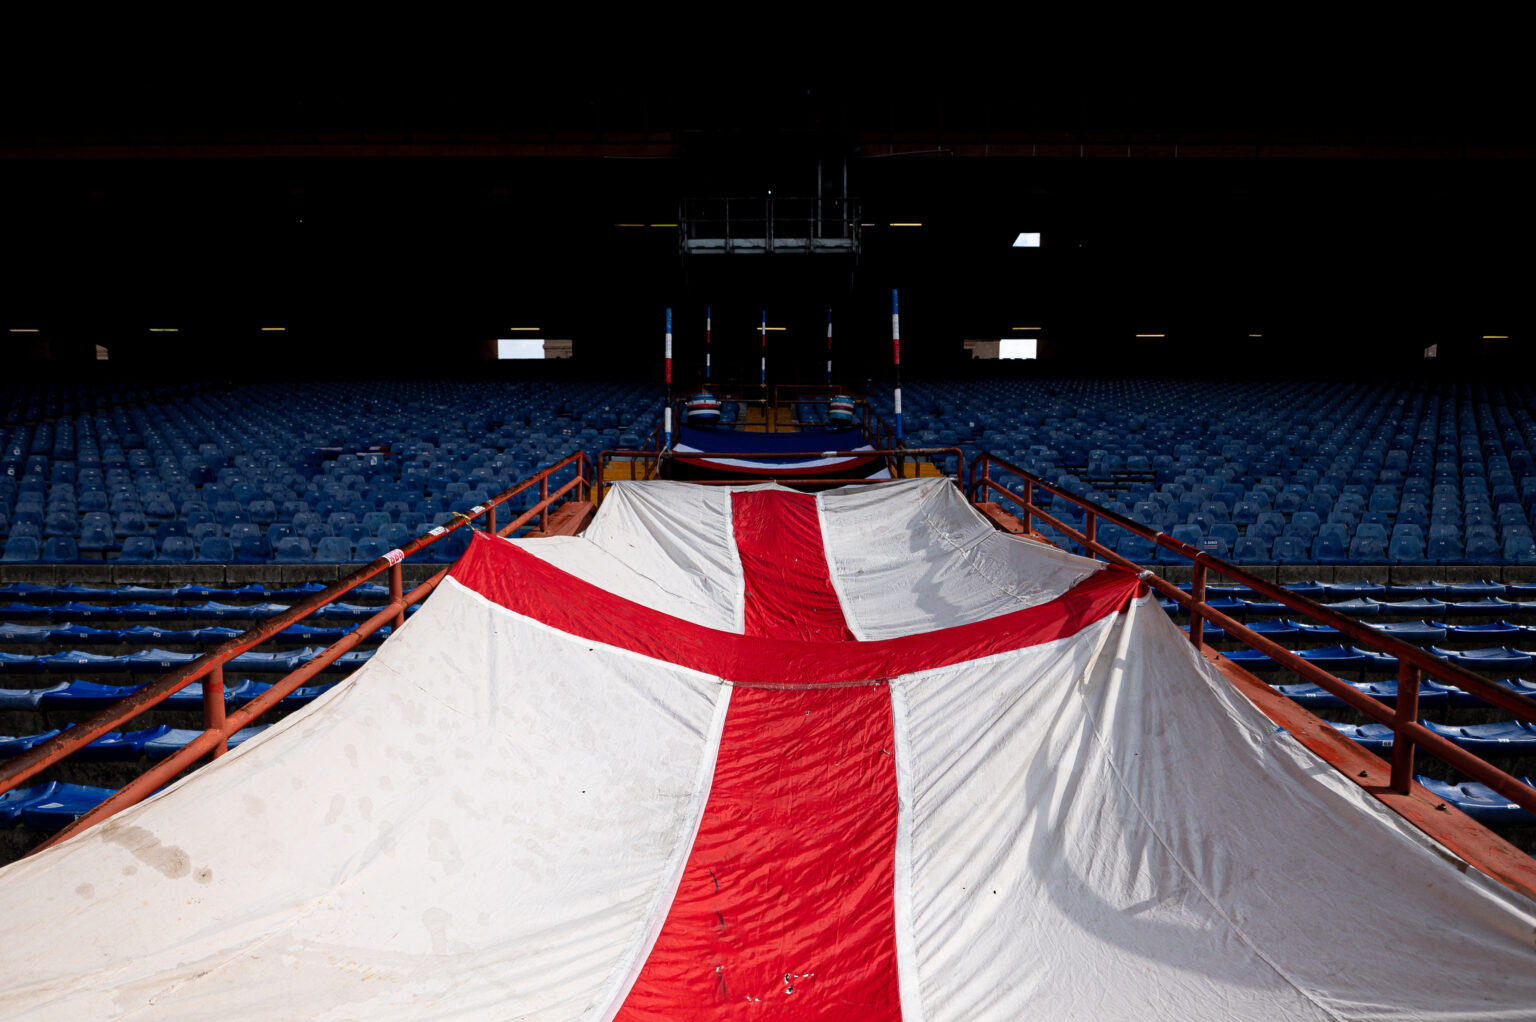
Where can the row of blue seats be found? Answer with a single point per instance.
(1432, 694)
(221, 550)
(1364, 587)
(32, 399)
(76, 634)
(1353, 658)
(117, 746)
(270, 453)
(78, 694)
(1478, 801)
(193, 591)
(150, 660)
(1419, 631)
(346, 515)
(1500, 739)
(49, 806)
(1348, 453)
(1363, 606)
(375, 590)
(210, 610)
(1331, 549)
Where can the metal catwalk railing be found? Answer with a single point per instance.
(901, 462)
(1414, 664)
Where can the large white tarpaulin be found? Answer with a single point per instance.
(846, 756)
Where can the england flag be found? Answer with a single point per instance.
(758, 753)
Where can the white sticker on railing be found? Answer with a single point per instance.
(478, 509)
(395, 556)
(437, 531)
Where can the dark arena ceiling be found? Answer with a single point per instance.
(393, 227)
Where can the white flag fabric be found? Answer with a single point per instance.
(851, 755)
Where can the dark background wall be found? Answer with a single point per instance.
(393, 230)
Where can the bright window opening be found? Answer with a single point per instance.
(1016, 347)
(1026, 240)
(101, 352)
(520, 347)
(1433, 351)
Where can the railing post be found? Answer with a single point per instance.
(490, 520)
(1196, 613)
(396, 590)
(984, 491)
(213, 708)
(1407, 712)
(1029, 502)
(1091, 531)
(544, 503)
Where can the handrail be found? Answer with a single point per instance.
(896, 457)
(1413, 662)
(219, 727)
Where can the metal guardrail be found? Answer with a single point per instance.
(1414, 664)
(880, 433)
(767, 224)
(896, 460)
(219, 726)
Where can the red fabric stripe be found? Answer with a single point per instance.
(789, 592)
(786, 898)
(522, 583)
(838, 467)
(792, 871)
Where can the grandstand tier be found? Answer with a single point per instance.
(1256, 472)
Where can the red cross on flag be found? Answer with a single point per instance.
(763, 754)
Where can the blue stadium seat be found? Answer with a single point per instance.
(1214, 545)
(215, 550)
(293, 550)
(333, 550)
(1368, 550)
(1443, 549)
(137, 550)
(60, 550)
(51, 805)
(1477, 800)
(1303, 525)
(1291, 550)
(1482, 548)
(1251, 549)
(370, 548)
(177, 550)
(374, 521)
(1188, 533)
(1134, 548)
(399, 534)
(1329, 549)
(22, 548)
(253, 550)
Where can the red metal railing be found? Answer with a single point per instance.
(1414, 664)
(881, 434)
(218, 725)
(895, 458)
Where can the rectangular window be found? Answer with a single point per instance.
(520, 347)
(1016, 347)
